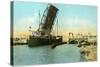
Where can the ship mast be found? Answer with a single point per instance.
(57, 26)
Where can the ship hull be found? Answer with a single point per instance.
(37, 41)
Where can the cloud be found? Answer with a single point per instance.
(24, 23)
(77, 24)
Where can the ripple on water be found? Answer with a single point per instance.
(24, 55)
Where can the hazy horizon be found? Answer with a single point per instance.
(71, 18)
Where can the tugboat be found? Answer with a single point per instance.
(43, 34)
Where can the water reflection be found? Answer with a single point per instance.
(24, 55)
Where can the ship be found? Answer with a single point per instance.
(42, 36)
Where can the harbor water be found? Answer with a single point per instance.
(24, 55)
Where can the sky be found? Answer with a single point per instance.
(71, 18)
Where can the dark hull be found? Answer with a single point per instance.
(37, 41)
(33, 41)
